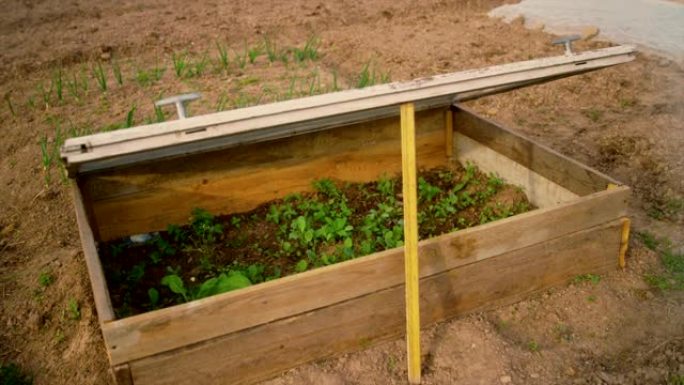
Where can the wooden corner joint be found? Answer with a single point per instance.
(624, 241)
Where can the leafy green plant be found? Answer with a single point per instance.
(176, 285)
(253, 53)
(45, 279)
(100, 76)
(153, 295)
(73, 309)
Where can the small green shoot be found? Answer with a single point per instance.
(58, 80)
(593, 114)
(271, 49)
(8, 99)
(308, 52)
(180, 64)
(221, 103)
(366, 77)
(223, 59)
(130, 117)
(118, 76)
(253, 53)
(533, 346)
(159, 114)
(45, 279)
(100, 76)
(73, 309)
(593, 278)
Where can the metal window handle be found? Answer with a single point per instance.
(179, 101)
(567, 42)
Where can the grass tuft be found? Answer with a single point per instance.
(100, 76)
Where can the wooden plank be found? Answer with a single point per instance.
(262, 352)
(624, 243)
(541, 159)
(103, 304)
(541, 191)
(277, 120)
(122, 374)
(410, 200)
(148, 198)
(166, 329)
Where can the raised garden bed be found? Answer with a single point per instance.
(141, 180)
(258, 331)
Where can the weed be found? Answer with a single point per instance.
(130, 122)
(592, 298)
(45, 279)
(676, 379)
(73, 309)
(222, 101)
(593, 114)
(366, 77)
(148, 77)
(593, 278)
(673, 277)
(308, 52)
(100, 76)
(223, 59)
(11, 374)
(253, 53)
(8, 99)
(241, 59)
(649, 240)
(58, 81)
(159, 114)
(117, 72)
(59, 336)
(271, 49)
(180, 64)
(533, 346)
(198, 67)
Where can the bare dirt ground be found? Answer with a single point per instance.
(625, 121)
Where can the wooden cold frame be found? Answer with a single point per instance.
(280, 324)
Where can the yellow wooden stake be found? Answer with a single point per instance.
(624, 241)
(408, 156)
(449, 133)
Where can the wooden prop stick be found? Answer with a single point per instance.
(449, 133)
(408, 155)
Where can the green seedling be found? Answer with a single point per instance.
(253, 53)
(271, 49)
(58, 81)
(198, 67)
(153, 296)
(8, 99)
(100, 76)
(366, 77)
(593, 114)
(223, 60)
(148, 77)
(180, 64)
(592, 298)
(241, 59)
(533, 346)
(73, 87)
(73, 309)
(130, 117)
(45, 279)
(116, 69)
(593, 278)
(308, 52)
(221, 103)
(159, 114)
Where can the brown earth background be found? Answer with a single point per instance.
(625, 121)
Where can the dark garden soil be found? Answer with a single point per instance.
(338, 222)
